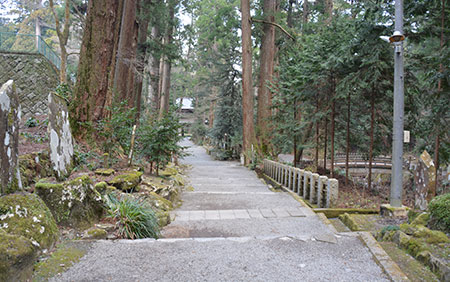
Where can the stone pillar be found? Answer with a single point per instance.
(306, 181)
(321, 191)
(332, 192)
(61, 143)
(300, 182)
(313, 188)
(424, 179)
(295, 180)
(289, 180)
(9, 139)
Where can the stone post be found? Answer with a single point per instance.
(332, 192)
(61, 143)
(289, 180)
(9, 138)
(295, 180)
(301, 173)
(306, 181)
(313, 188)
(321, 191)
(424, 179)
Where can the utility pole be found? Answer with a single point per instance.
(397, 142)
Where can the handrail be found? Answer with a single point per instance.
(315, 188)
(30, 43)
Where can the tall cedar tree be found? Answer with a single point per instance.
(96, 60)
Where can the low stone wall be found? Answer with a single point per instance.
(34, 77)
(319, 190)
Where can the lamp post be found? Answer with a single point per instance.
(397, 142)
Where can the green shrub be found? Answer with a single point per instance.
(157, 140)
(439, 209)
(136, 219)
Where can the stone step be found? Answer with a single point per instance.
(181, 215)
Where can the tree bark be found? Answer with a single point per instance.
(266, 71)
(153, 93)
(165, 82)
(248, 133)
(126, 55)
(96, 59)
(328, 11)
(325, 145)
(333, 114)
(143, 21)
(305, 14)
(63, 36)
(372, 122)
(347, 141)
(289, 13)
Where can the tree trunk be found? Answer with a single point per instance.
(96, 60)
(316, 157)
(126, 55)
(432, 193)
(328, 11)
(325, 145)
(153, 93)
(347, 141)
(305, 14)
(248, 133)
(266, 71)
(372, 122)
(143, 11)
(165, 82)
(333, 114)
(63, 36)
(289, 13)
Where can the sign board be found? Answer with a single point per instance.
(406, 136)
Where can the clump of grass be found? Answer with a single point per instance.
(136, 219)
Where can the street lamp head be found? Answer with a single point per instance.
(396, 37)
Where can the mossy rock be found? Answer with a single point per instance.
(168, 171)
(159, 202)
(17, 256)
(95, 233)
(105, 171)
(163, 218)
(439, 209)
(401, 239)
(74, 203)
(27, 215)
(421, 219)
(415, 246)
(179, 180)
(408, 228)
(34, 166)
(431, 236)
(349, 222)
(127, 182)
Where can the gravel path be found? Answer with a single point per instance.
(232, 228)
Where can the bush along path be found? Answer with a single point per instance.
(232, 227)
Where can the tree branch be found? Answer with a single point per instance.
(274, 24)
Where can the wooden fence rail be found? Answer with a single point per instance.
(319, 190)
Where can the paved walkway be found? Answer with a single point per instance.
(232, 228)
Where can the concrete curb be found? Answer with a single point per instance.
(382, 258)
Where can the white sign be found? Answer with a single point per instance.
(406, 136)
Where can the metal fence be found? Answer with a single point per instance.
(28, 43)
(318, 190)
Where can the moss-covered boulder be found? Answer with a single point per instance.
(95, 234)
(159, 202)
(34, 166)
(105, 171)
(128, 181)
(17, 256)
(439, 209)
(26, 215)
(168, 171)
(74, 203)
(421, 219)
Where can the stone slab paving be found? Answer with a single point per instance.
(232, 228)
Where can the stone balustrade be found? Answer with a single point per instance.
(317, 189)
